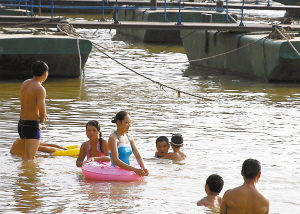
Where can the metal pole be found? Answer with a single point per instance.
(31, 13)
(227, 11)
(102, 19)
(165, 8)
(179, 16)
(26, 8)
(241, 24)
(116, 14)
(40, 9)
(51, 10)
(268, 3)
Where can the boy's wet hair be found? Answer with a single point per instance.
(120, 116)
(176, 140)
(251, 168)
(162, 139)
(215, 183)
(39, 68)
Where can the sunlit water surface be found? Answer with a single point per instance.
(246, 119)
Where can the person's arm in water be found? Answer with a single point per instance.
(52, 145)
(81, 155)
(137, 155)
(48, 149)
(115, 157)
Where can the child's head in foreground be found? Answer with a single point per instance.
(215, 183)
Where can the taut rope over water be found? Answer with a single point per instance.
(69, 29)
(160, 84)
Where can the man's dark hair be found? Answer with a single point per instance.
(162, 139)
(251, 168)
(215, 183)
(39, 68)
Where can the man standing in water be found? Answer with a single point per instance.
(246, 198)
(33, 109)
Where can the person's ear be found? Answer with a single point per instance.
(258, 176)
(207, 190)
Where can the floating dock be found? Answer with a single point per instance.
(26, 21)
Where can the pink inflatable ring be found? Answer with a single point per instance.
(104, 171)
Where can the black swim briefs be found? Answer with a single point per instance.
(29, 129)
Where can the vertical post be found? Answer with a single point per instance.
(26, 8)
(268, 3)
(51, 10)
(241, 24)
(31, 12)
(40, 9)
(102, 19)
(165, 8)
(256, 2)
(179, 15)
(116, 14)
(227, 11)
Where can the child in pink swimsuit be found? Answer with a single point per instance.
(96, 148)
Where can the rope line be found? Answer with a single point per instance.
(153, 81)
(211, 57)
(66, 26)
(288, 42)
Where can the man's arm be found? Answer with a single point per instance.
(41, 104)
(224, 207)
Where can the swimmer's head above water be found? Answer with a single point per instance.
(251, 168)
(215, 183)
(162, 146)
(123, 121)
(39, 68)
(177, 140)
(95, 124)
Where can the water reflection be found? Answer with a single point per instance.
(110, 196)
(27, 195)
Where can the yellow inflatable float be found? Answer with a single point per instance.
(72, 150)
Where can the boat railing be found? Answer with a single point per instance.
(29, 5)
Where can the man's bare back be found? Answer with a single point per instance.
(33, 106)
(210, 201)
(176, 155)
(246, 199)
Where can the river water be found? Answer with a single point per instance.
(246, 119)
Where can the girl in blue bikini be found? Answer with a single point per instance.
(96, 148)
(121, 145)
